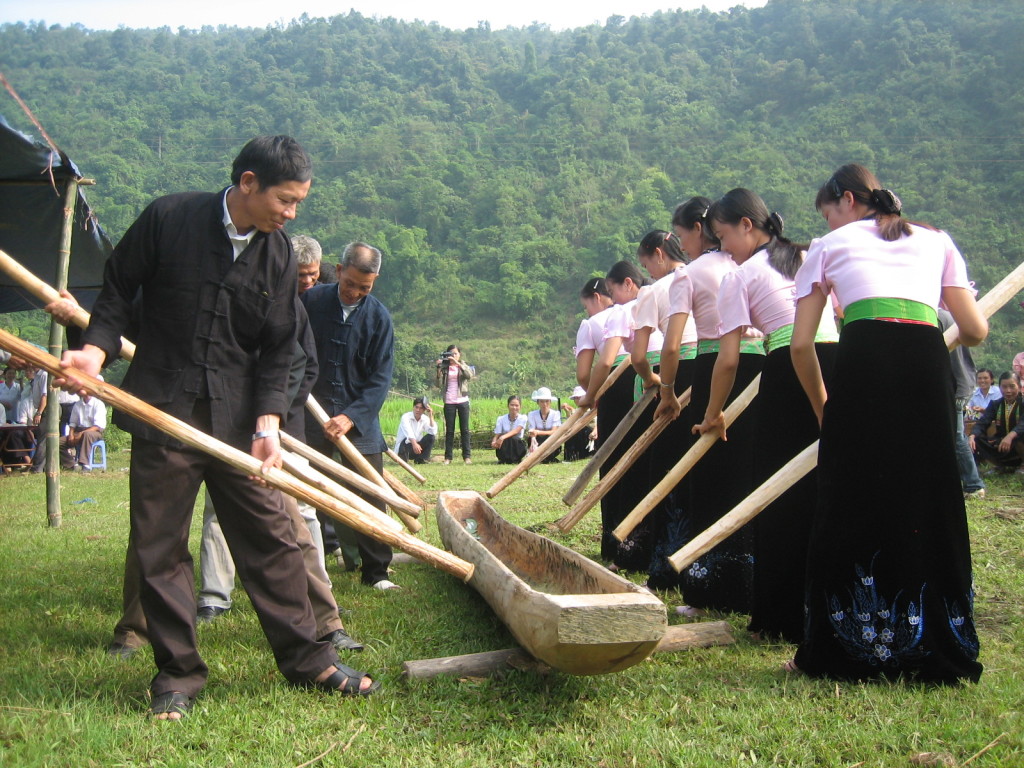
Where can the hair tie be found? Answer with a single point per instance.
(886, 201)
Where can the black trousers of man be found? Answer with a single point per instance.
(164, 483)
(375, 555)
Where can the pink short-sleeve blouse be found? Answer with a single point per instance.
(855, 263)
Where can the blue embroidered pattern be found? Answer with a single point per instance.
(888, 635)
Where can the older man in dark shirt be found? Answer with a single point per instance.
(355, 343)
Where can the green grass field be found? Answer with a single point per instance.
(64, 702)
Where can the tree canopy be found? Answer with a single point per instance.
(499, 169)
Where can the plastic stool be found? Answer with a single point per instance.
(100, 446)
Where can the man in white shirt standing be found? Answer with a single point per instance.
(85, 429)
(416, 432)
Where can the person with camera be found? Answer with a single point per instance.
(416, 432)
(453, 377)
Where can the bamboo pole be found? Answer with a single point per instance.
(46, 294)
(387, 532)
(51, 416)
(403, 490)
(608, 445)
(312, 476)
(346, 475)
(359, 461)
(807, 459)
(685, 464)
(787, 476)
(628, 459)
(569, 427)
(405, 465)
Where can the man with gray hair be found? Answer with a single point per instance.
(355, 346)
(308, 254)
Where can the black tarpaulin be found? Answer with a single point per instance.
(33, 179)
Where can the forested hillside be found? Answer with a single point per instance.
(499, 169)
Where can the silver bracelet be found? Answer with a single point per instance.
(264, 433)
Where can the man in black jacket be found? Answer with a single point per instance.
(215, 344)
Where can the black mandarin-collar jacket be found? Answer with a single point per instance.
(208, 327)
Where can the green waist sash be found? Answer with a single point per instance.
(890, 309)
(747, 346)
(653, 359)
(782, 337)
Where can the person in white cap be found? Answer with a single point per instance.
(543, 421)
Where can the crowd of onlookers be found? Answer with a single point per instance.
(23, 399)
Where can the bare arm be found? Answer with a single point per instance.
(669, 406)
(600, 373)
(972, 324)
(722, 381)
(801, 348)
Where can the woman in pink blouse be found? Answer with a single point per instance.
(889, 566)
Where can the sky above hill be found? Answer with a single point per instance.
(456, 14)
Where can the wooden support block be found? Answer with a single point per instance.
(681, 637)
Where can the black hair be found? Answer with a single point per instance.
(867, 190)
(985, 370)
(511, 398)
(621, 270)
(419, 401)
(784, 255)
(274, 160)
(1009, 375)
(668, 243)
(595, 286)
(691, 213)
(452, 348)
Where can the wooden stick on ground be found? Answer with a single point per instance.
(680, 637)
(405, 465)
(608, 445)
(359, 461)
(685, 464)
(807, 459)
(380, 526)
(46, 294)
(628, 459)
(569, 427)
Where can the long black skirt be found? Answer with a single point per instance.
(722, 579)
(786, 425)
(669, 518)
(634, 553)
(889, 566)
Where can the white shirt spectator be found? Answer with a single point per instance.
(409, 428)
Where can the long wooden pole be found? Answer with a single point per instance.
(46, 294)
(405, 465)
(787, 476)
(359, 461)
(807, 459)
(348, 476)
(608, 445)
(685, 464)
(569, 427)
(388, 532)
(628, 459)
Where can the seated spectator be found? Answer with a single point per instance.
(984, 394)
(542, 422)
(85, 428)
(509, 429)
(996, 435)
(10, 393)
(416, 433)
(580, 445)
